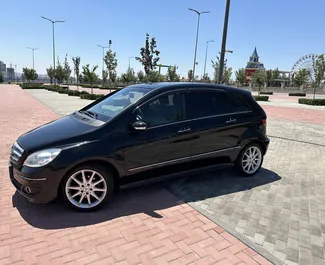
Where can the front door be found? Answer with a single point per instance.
(166, 140)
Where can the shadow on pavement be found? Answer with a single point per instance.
(219, 183)
(146, 199)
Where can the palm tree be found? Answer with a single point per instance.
(90, 75)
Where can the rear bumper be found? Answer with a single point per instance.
(38, 185)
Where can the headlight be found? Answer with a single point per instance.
(41, 158)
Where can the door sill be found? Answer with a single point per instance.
(175, 175)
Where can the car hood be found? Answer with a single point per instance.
(66, 130)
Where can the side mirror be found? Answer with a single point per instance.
(139, 126)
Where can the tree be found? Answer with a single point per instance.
(104, 76)
(141, 76)
(206, 78)
(190, 74)
(90, 75)
(155, 76)
(269, 76)
(227, 76)
(67, 69)
(111, 63)
(319, 71)
(300, 78)
(149, 55)
(129, 76)
(240, 76)
(59, 71)
(216, 66)
(50, 73)
(1, 78)
(171, 74)
(259, 78)
(76, 65)
(275, 74)
(30, 74)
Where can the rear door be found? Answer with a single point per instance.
(219, 119)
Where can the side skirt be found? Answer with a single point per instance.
(176, 175)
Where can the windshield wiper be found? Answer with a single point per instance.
(89, 113)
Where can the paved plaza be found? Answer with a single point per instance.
(213, 218)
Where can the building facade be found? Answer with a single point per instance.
(253, 65)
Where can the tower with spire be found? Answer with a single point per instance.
(253, 64)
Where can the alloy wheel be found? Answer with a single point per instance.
(86, 188)
(252, 159)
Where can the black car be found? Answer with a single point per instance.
(136, 135)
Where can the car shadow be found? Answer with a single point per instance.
(148, 199)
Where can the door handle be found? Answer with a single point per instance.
(231, 120)
(184, 130)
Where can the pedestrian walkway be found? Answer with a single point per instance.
(139, 226)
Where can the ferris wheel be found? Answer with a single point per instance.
(305, 62)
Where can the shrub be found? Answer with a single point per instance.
(84, 92)
(32, 86)
(315, 102)
(261, 98)
(91, 96)
(74, 93)
(299, 94)
(266, 93)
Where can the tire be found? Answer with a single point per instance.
(87, 183)
(243, 167)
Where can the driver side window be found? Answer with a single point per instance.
(164, 109)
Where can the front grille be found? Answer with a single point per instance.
(16, 152)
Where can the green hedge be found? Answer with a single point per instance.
(266, 93)
(32, 86)
(315, 102)
(299, 94)
(261, 98)
(91, 96)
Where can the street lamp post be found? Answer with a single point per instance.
(33, 49)
(224, 40)
(197, 35)
(103, 48)
(53, 22)
(206, 54)
(131, 57)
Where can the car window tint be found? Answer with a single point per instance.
(239, 103)
(167, 108)
(206, 103)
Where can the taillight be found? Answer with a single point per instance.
(264, 121)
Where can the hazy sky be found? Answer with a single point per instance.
(282, 31)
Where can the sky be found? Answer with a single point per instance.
(282, 30)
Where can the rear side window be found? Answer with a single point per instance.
(211, 103)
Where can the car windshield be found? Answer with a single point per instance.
(116, 103)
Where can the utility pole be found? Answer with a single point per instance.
(33, 49)
(53, 22)
(197, 36)
(206, 54)
(224, 40)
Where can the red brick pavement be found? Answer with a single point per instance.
(295, 114)
(140, 226)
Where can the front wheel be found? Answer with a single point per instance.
(250, 159)
(87, 187)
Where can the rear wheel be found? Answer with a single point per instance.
(250, 159)
(87, 188)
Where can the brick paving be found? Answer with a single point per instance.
(139, 226)
(281, 209)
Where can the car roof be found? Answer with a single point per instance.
(165, 86)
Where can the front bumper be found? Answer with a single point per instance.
(38, 185)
